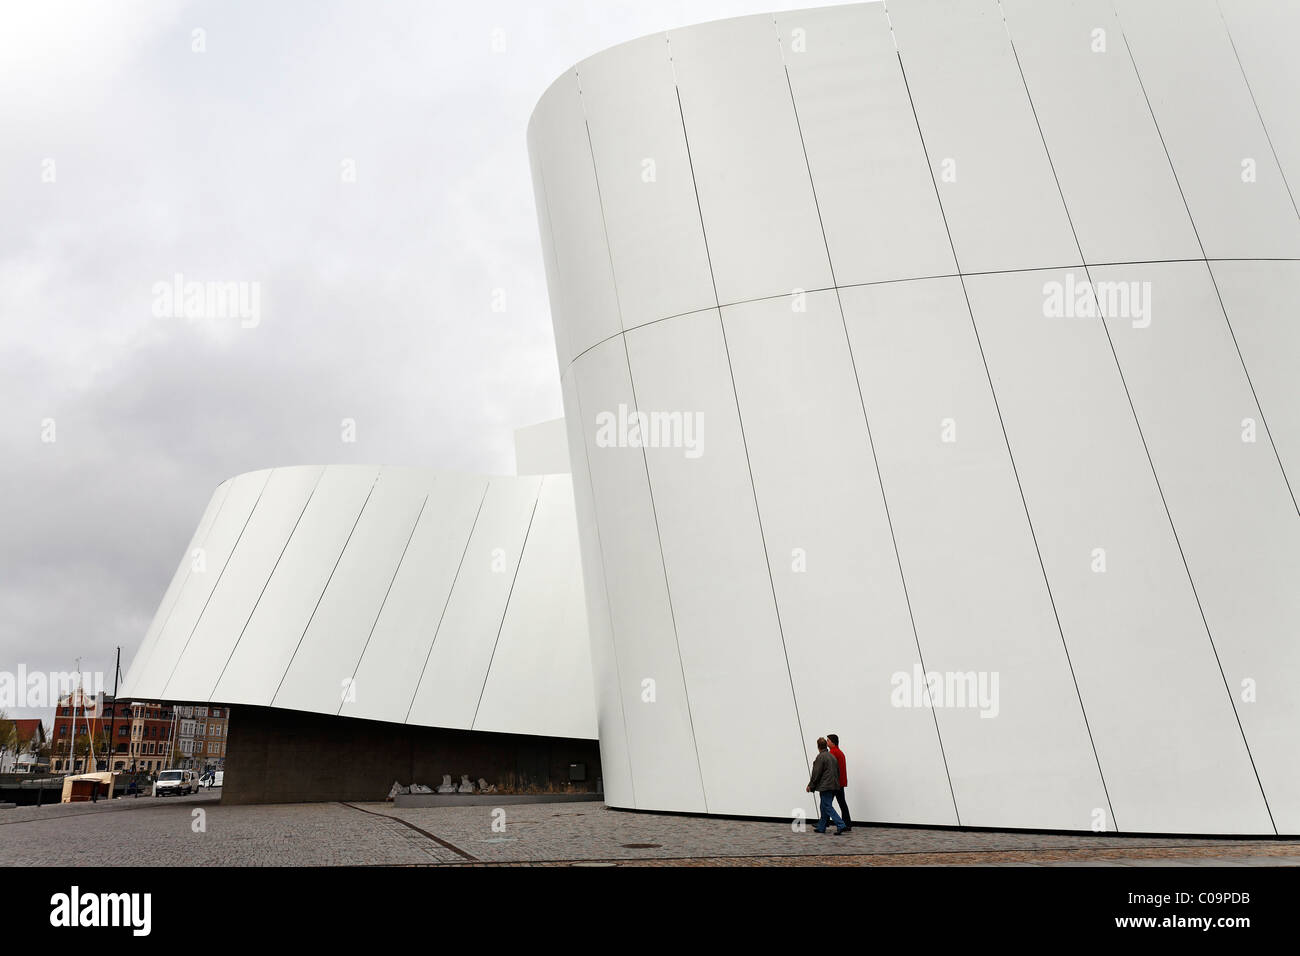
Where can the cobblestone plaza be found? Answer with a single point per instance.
(199, 831)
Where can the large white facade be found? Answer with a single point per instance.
(852, 247)
(397, 594)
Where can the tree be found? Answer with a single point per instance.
(104, 748)
(9, 743)
(80, 749)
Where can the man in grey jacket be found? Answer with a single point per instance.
(825, 780)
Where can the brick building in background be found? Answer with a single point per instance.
(137, 735)
(201, 736)
(153, 737)
(79, 716)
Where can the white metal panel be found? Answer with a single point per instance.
(1229, 503)
(978, 596)
(760, 218)
(1262, 302)
(958, 512)
(319, 676)
(546, 234)
(1272, 71)
(1113, 171)
(831, 551)
(259, 660)
(611, 730)
(452, 682)
(205, 571)
(655, 239)
(163, 614)
(994, 178)
(875, 195)
(236, 595)
(1090, 489)
(587, 303)
(542, 449)
(744, 715)
(318, 561)
(1209, 124)
(541, 669)
(663, 748)
(390, 667)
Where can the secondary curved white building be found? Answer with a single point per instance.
(403, 595)
(965, 338)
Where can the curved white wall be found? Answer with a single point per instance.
(829, 236)
(396, 594)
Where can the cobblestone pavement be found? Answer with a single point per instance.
(167, 832)
(162, 832)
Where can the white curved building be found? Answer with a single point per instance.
(402, 595)
(964, 338)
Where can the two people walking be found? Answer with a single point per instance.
(829, 778)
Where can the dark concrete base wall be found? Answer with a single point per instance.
(287, 756)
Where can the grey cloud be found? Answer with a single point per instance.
(225, 166)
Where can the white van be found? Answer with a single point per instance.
(175, 782)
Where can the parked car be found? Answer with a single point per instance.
(213, 778)
(175, 782)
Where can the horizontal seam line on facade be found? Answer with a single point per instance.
(924, 278)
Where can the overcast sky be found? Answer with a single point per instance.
(128, 156)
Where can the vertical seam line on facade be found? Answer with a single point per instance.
(740, 421)
(217, 583)
(645, 458)
(1209, 267)
(609, 613)
(342, 551)
(1227, 28)
(562, 350)
(505, 609)
(188, 557)
(866, 419)
(600, 546)
(1129, 396)
(1005, 438)
(380, 613)
(1187, 567)
(267, 582)
(1259, 113)
(451, 589)
(1047, 154)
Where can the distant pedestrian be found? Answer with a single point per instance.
(825, 779)
(838, 754)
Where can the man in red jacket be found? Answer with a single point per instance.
(838, 754)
